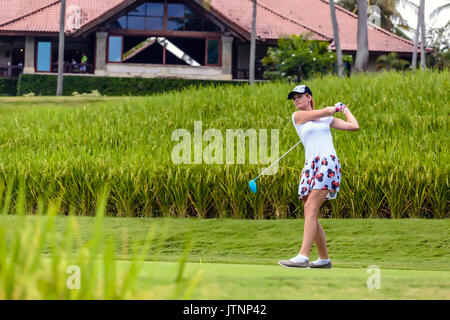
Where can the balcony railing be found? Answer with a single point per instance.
(9, 71)
(74, 68)
(244, 73)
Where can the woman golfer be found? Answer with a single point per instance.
(321, 175)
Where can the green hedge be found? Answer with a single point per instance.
(45, 85)
(8, 87)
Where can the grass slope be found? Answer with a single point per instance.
(413, 244)
(238, 258)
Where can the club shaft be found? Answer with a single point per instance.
(277, 160)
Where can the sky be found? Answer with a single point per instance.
(409, 13)
(430, 5)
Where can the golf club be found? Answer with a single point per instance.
(252, 183)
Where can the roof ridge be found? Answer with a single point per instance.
(391, 34)
(29, 13)
(373, 25)
(291, 20)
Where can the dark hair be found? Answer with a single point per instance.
(312, 101)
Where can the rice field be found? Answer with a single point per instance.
(395, 166)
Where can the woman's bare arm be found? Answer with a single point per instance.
(303, 116)
(350, 125)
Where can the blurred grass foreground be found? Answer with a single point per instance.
(39, 262)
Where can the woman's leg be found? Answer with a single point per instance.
(320, 240)
(311, 209)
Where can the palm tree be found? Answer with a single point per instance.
(59, 87)
(253, 46)
(438, 10)
(349, 5)
(362, 54)
(336, 39)
(420, 27)
(416, 39)
(388, 12)
(423, 32)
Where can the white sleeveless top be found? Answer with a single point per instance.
(316, 137)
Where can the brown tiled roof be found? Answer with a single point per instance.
(270, 24)
(33, 21)
(275, 18)
(12, 9)
(45, 18)
(316, 15)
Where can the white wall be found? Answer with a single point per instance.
(165, 71)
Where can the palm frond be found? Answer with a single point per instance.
(438, 10)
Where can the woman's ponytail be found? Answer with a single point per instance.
(312, 101)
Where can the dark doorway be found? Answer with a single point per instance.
(18, 56)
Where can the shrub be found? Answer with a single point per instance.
(45, 85)
(298, 57)
(391, 61)
(8, 87)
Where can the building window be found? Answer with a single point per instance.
(174, 24)
(154, 23)
(155, 16)
(171, 51)
(175, 10)
(168, 15)
(183, 51)
(121, 23)
(142, 50)
(212, 56)
(155, 9)
(136, 23)
(115, 49)
(44, 50)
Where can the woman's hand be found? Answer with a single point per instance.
(330, 110)
(340, 107)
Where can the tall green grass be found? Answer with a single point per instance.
(37, 261)
(395, 166)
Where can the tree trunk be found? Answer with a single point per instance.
(253, 47)
(337, 43)
(59, 87)
(416, 40)
(422, 30)
(362, 55)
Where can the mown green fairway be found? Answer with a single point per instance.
(247, 281)
(227, 258)
(251, 249)
(415, 244)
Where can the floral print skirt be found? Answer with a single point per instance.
(321, 173)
